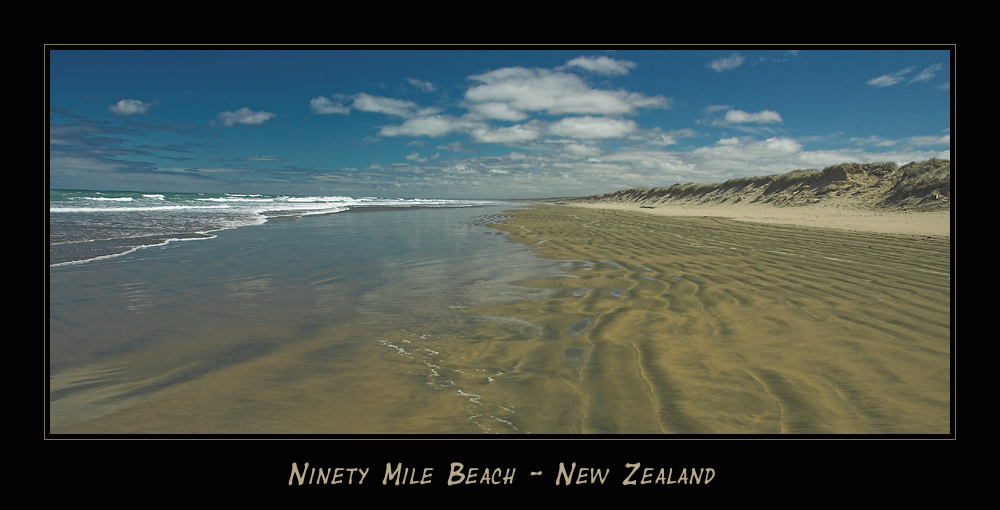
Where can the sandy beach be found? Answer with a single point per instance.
(701, 324)
(592, 320)
(936, 223)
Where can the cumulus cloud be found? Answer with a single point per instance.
(761, 117)
(497, 111)
(325, 106)
(416, 158)
(129, 107)
(433, 126)
(518, 134)
(592, 127)
(600, 65)
(244, 116)
(580, 168)
(735, 149)
(554, 93)
(582, 151)
(386, 105)
(669, 138)
(887, 80)
(425, 86)
(726, 63)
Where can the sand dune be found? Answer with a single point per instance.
(877, 197)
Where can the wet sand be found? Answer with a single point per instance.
(320, 326)
(428, 322)
(733, 327)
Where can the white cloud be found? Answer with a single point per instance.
(554, 93)
(425, 86)
(582, 151)
(261, 158)
(761, 117)
(889, 79)
(716, 108)
(874, 140)
(327, 106)
(582, 169)
(244, 116)
(930, 140)
(600, 65)
(928, 73)
(498, 111)
(734, 149)
(433, 126)
(726, 63)
(670, 137)
(456, 147)
(129, 107)
(592, 127)
(521, 133)
(390, 106)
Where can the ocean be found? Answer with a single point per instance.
(216, 313)
(87, 225)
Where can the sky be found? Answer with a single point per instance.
(482, 122)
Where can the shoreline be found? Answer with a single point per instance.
(936, 223)
(576, 321)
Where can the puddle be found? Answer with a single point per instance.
(574, 355)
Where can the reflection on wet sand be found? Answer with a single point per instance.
(630, 324)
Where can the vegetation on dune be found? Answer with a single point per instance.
(924, 185)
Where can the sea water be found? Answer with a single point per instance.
(88, 225)
(280, 305)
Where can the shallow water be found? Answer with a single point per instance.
(311, 326)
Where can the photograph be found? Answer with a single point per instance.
(426, 243)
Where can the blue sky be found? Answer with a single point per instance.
(484, 123)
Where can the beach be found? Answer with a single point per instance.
(710, 325)
(825, 215)
(307, 326)
(545, 319)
